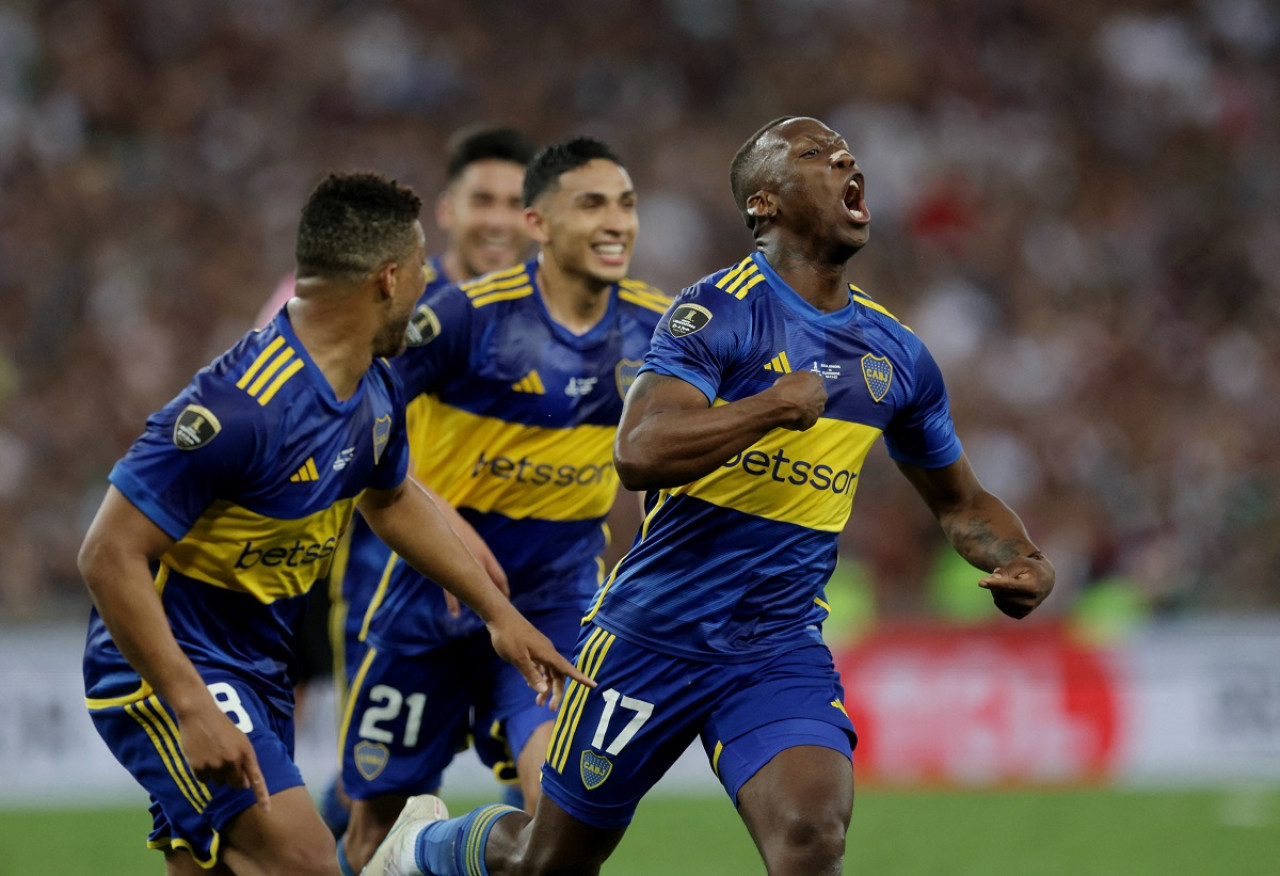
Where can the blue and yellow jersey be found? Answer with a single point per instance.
(733, 565)
(254, 469)
(511, 420)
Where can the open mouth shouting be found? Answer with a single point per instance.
(855, 203)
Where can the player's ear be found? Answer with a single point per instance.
(536, 224)
(384, 280)
(761, 205)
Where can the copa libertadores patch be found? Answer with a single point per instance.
(195, 427)
(687, 319)
(424, 327)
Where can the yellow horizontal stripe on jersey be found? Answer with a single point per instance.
(241, 550)
(262, 359)
(867, 302)
(733, 273)
(521, 471)
(502, 295)
(293, 368)
(747, 274)
(750, 284)
(516, 274)
(806, 478)
(267, 373)
(650, 302)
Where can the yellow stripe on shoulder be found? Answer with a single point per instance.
(735, 272)
(861, 297)
(504, 279)
(658, 304)
(262, 359)
(494, 296)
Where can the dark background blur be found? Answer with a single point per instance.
(1076, 204)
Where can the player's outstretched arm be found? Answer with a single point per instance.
(669, 435)
(114, 562)
(410, 523)
(987, 533)
(478, 547)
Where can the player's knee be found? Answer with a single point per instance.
(301, 859)
(814, 840)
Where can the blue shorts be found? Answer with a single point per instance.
(142, 733)
(408, 715)
(613, 742)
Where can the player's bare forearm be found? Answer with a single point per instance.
(669, 435)
(413, 526)
(987, 533)
(114, 560)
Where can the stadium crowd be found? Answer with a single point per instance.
(1076, 203)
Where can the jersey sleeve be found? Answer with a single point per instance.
(698, 337)
(192, 452)
(439, 343)
(393, 462)
(923, 434)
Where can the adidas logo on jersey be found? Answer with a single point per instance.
(779, 363)
(530, 383)
(306, 473)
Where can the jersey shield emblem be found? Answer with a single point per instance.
(195, 427)
(371, 758)
(626, 373)
(687, 319)
(381, 434)
(423, 327)
(878, 372)
(595, 769)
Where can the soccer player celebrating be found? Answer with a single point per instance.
(227, 509)
(766, 384)
(517, 381)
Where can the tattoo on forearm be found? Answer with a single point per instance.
(982, 547)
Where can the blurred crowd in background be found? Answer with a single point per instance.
(1076, 203)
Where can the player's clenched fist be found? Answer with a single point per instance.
(806, 395)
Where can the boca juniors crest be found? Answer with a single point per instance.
(381, 434)
(371, 758)
(595, 769)
(878, 372)
(626, 373)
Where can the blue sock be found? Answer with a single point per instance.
(335, 815)
(343, 864)
(456, 847)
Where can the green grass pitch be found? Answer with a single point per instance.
(914, 833)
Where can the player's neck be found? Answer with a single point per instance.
(573, 300)
(820, 281)
(337, 342)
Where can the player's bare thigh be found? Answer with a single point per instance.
(288, 838)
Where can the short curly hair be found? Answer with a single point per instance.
(353, 223)
(744, 170)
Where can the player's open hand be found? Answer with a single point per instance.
(221, 753)
(806, 397)
(1020, 585)
(544, 668)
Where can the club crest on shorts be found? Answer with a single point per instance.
(687, 319)
(878, 373)
(371, 758)
(595, 769)
(381, 434)
(423, 328)
(626, 373)
(195, 427)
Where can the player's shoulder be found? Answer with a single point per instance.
(506, 285)
(642, 297)
(877, 314)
